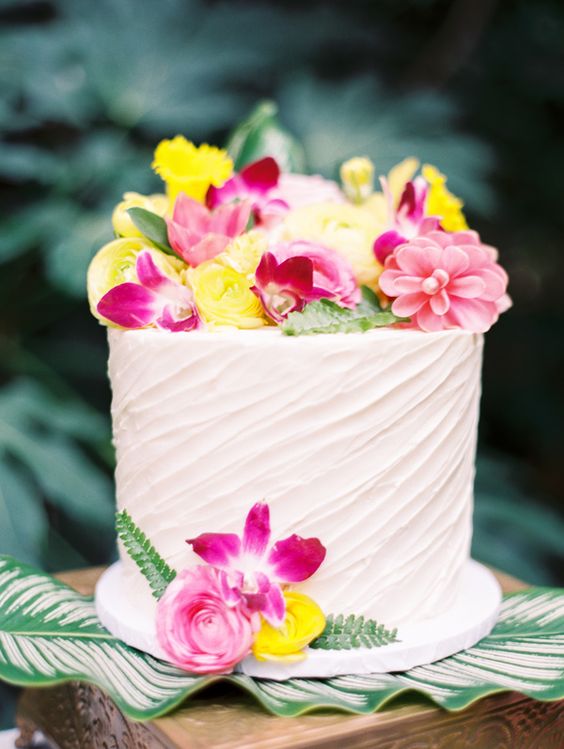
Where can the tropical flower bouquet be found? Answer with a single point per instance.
(262, 247)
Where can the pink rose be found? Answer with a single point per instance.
(291, 274)
(197, 629)
(446, 280)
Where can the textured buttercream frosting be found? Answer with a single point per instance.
(366, 441)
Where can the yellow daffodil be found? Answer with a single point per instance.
(224, 297)
(441, 202)
(357, 177)
(243, 254)
(348, 229)
(121, 220)
(115, 262)
(191, 169)
(303, 623)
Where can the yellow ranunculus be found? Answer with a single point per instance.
(121, 220)
(191, 169)
(303, 623)
(441, 202)
(357, 177)
(115, 264)
(243, 254)
(348, 229)
(223, 296)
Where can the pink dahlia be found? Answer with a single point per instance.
(291, 274)
(444, 280)
(197, 629)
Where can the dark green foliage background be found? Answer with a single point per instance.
(87, 88)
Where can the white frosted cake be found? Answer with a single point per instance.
(295, 370)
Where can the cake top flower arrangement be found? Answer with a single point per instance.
(258, 246)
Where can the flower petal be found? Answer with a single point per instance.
(440, 302)
(467, 287)
(129, 305)
(190, 214)
(169, 321)
(273, 607)
(217, 549)
(454, 260)
(151, 276)
(207, 248)
(264, 274)
(429, 321)
(295, 273)
(261, 175)
(230, 219)
(408, 304)
(257, 530)
(295, 559)
(231, 584)
(473, 314)
(386, 243)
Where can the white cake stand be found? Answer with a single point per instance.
(471, 617)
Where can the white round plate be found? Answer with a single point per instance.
(471, 617)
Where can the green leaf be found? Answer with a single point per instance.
(260, 135)
(370, 300)
(154, 568)
(353, 632)
(153, 227)
(325, 316)
(49, 634)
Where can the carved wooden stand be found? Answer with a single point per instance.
(77, 716)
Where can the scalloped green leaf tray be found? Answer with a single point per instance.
(50, 634)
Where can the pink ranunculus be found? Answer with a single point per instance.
(291, 274)
(197, 629)
(198, 234)
(444, 280)
(406, 221)
(155, 300)
(299, 190)
(252, 571)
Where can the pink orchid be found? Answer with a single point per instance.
(196, 628)
(408, 220)
(256, 182)
(292, 274)
(252, 573)
(198, 234)
(444, 280)
(156, 299)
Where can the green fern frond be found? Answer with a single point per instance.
(353, 632)
(153, 567)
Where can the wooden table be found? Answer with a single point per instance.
(78, 716)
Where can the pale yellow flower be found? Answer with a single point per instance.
(191, 169)
(304, 622)
(115, 262)
(121, 220)
(224, 297)
(243, 254)
(441, 202)
(348, 229)
(357, 177)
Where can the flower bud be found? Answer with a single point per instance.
(357, 176)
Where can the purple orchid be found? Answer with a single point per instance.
(408, 220)
(257, 182)
(156, 299)
(253, 572)
(286, 286)
(198, 234)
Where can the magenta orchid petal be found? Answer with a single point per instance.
(386, 243)
(295, 273)
(217, 549)
(231, 584)
(129, 305)
(151, 276)
(168, 320)
(262, 175)
(273, 608)
(295, 559)
(256, 534)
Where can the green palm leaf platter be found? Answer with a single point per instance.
(50, 634)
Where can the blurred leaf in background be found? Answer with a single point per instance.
(87, 88)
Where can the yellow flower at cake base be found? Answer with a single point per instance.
(348, 229)
(115, 262)
(243, 254)
(224, 297)
(121, 220)
(441, 202)
(303, 623)
(191, 169)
